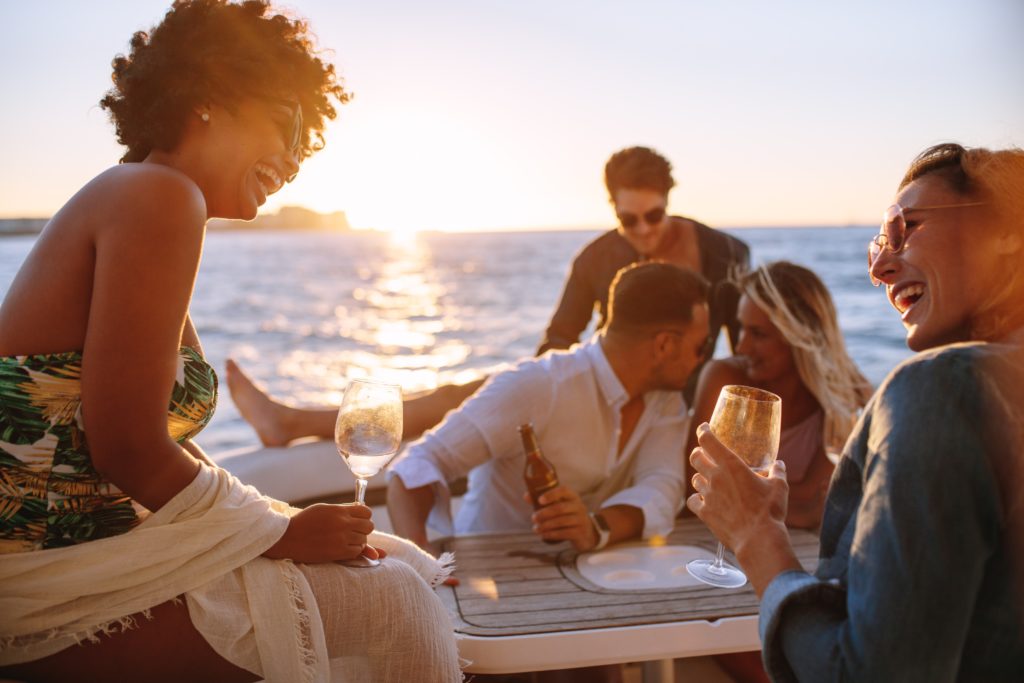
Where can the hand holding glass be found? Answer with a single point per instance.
(368, 433)
(748, 422)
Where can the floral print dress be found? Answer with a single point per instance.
(50, 493)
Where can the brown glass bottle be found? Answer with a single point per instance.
(538, 472)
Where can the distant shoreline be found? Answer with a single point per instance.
(20, 227)
(287, 218)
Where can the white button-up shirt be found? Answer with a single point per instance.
(574, 400)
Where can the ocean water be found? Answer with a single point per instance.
(304, 312)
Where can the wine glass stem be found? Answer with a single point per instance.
(360, 490)
(719, 559)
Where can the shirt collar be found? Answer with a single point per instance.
(607, 381)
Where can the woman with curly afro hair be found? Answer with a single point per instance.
(125, 554)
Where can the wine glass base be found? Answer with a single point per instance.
(725, 576)
(360, 562)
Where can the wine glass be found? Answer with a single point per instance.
(367, 433)
(748, 422)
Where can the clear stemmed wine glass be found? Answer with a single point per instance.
(749, 422)
(368, 433)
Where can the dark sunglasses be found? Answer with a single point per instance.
(295, 146)
(291, 132)
(893, 233)
(652, 217)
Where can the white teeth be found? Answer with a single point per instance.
(268, 178)
(907, 296)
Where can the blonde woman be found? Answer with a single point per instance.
(790, 344)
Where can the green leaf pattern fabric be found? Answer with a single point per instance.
(50, 493)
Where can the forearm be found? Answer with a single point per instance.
(409, 509)
(765, 554)
(571, 317)
(625, 522)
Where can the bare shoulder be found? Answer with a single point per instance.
(143, 198)
(721, 371)
(715, 375)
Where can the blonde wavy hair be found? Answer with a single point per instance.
(800, 306)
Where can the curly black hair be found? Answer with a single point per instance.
(216, 51)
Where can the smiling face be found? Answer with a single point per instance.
(249, 154)
(766, 354)
(946, 269)
(643, 236)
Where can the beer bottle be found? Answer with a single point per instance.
(538, 473)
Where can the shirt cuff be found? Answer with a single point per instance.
(416, 471)
(788, 589)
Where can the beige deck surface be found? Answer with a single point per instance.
(515, 584)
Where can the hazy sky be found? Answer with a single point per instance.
(482, 114)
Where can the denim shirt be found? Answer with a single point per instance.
(920, 574)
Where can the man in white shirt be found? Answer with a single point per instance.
(607, 413)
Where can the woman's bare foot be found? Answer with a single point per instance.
(268, 417)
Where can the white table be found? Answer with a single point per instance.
(522, 606)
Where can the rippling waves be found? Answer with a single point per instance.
(305, 312)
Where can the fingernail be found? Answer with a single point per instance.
(704, 426)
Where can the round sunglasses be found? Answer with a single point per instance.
(893, 233)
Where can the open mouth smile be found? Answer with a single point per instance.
(268, 178)
(905, 297)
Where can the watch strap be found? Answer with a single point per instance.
(604, 532)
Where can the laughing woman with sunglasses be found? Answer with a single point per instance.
(921, 574)
(638, 180)
(124, 553)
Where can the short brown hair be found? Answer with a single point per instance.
(638, 168)
(645, 295)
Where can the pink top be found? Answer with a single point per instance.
(800, 443)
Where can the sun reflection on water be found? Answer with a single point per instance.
(395, 329)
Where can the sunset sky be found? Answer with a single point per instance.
(481, 115)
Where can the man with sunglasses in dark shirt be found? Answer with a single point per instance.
(638, 181)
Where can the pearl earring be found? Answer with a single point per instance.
(205, 116)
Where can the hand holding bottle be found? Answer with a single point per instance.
(562, 516)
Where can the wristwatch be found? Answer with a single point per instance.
(604, 532)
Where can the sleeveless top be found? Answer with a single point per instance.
(800, 443)
(50, 493)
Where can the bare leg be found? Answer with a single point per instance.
(427, 410)
(277, 423)
(166, 648)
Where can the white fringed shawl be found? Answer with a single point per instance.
(205, 543)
